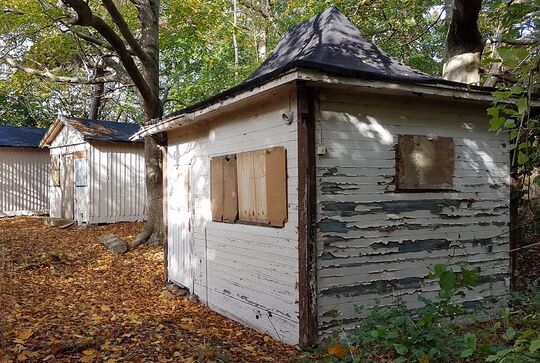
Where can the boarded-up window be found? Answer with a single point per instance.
(223, 189)
(55, 170)
(250, 187)
(81, 169)
(262, 186)
(424, 163)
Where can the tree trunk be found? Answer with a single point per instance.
(97, 95)
(153, 231)
(464, 43)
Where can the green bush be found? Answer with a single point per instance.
(394, 333)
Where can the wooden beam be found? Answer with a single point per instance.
(164, 149)
(307, 257)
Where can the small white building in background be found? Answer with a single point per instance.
(97, 173)
(24, 172)
(334, 176)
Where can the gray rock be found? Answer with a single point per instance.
(113, 243)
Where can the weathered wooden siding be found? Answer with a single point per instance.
(24, 181)
(246, 272)
(116, 179)
(376, 243)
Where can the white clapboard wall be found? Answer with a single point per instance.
(246, 272)
(24, 181)
(117, 182)
(375, 243)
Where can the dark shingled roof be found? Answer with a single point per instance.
(98, 130)
(330, 42)
(327, 42)
(12, 136)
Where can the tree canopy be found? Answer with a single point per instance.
(209, 45)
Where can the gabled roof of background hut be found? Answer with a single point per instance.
(92, 130)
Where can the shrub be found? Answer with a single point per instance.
(432, 333)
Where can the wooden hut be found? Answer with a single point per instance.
(24, 172)
(97, 173)
(333, 176)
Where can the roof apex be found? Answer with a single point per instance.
(330, 42)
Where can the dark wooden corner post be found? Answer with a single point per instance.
(307, 256)
(162, 140)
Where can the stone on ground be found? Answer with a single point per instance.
(113, 243)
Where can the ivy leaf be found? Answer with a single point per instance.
(536, 180)
(509, 124)
(470, 345)
(496, 123)
(517, 90)
(522, 105)
(447, 280)
(510, 333)
(503, 95)
(493, 111)
(512, 56)
(535, 345)
(522, 158)
(439, 269)
(467, 352)
(514, 134)
(400, 349)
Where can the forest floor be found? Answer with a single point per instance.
(64, 298)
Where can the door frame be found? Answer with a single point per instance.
(185, 214)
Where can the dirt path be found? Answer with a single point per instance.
(64, 298)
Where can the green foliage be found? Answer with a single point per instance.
(425, 334)
(433, 333)
(519, 334)
(517, 57)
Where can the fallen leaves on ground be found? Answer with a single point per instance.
(64, 298)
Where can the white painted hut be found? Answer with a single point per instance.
(97, 173)
(24, 172)
(333, 176)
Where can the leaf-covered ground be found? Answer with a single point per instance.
(64, 298)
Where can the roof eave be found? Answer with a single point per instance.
(176, 121)
(435, 89)
(317, 77)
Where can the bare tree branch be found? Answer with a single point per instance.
(12, 11)
(118, 19)
(85, 17)
(523, 41)
(62, 79)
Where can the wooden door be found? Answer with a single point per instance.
(180, 230)
(68, 187)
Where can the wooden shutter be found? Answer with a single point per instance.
(276, 186)
(216, 188)
(230, 194)
(223, 189)
(424, 163)
(262, 186)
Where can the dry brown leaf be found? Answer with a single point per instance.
(337, 350)
(23, 335)
(91, 301)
